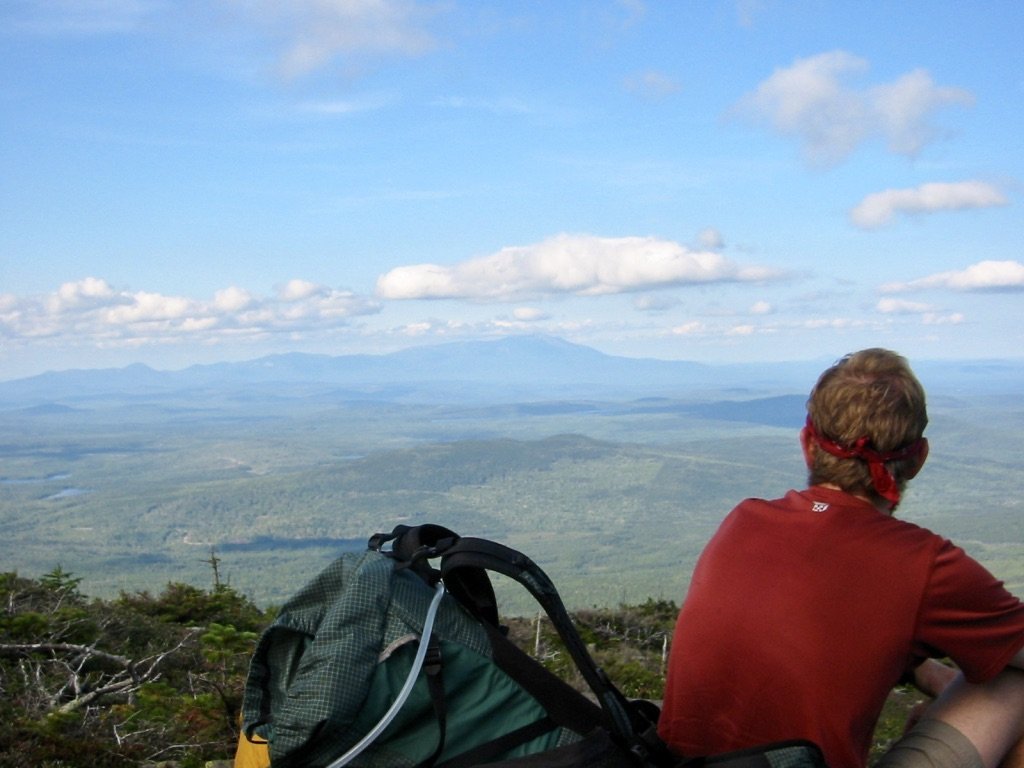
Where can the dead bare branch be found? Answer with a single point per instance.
(86, 688)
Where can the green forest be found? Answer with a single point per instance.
(133, 496)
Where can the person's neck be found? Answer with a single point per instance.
(882, 505)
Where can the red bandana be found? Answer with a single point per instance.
(885, 484)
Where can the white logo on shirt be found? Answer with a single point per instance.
(819, 506)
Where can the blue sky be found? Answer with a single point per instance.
(186, 181)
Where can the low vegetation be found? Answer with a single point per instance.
(138, 680)
(157, 680)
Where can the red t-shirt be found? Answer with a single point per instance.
(804, 612)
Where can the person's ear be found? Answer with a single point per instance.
(807, 446)
(919, 460)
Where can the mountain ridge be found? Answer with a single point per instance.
(516, 367)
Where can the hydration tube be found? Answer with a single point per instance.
(410, 681)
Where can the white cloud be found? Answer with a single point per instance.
(878, 209)
(902, 109)
(83, 293)
(813, 102)
(835, 323)
(807, 100)
(197, 324)
(983, 276)
(933, 318)
(417, 329)
(762, 308)
(297, 290)
(529, 314)
(650, 302)
(316, 32)
(91, 312)
(446, 329)
(232, 299)
(145, 306)
(926, 312)
(567, 264)
(901, 307)
(688, 329)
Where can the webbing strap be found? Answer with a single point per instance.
(435, 685)
(468, 554)
(565, 705)
(796, 753)
(484, 753)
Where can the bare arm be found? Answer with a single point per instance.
(931, 677)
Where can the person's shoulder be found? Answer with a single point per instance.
(814, 499)
(907, 540)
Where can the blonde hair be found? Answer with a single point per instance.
(870, 394)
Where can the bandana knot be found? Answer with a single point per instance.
(881, 478)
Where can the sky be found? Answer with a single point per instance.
(191, 181)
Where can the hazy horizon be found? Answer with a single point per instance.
(822, 360)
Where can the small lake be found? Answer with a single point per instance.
(67, 493)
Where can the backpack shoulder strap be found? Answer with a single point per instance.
(469, 554)
(464, 566)
(479, 554)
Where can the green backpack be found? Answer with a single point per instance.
(344, 677)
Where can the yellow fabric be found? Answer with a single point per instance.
(251, 754)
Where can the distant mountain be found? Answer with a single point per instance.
(522, 367)
(517, 368)
(514, 359)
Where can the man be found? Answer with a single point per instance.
(804, 612)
